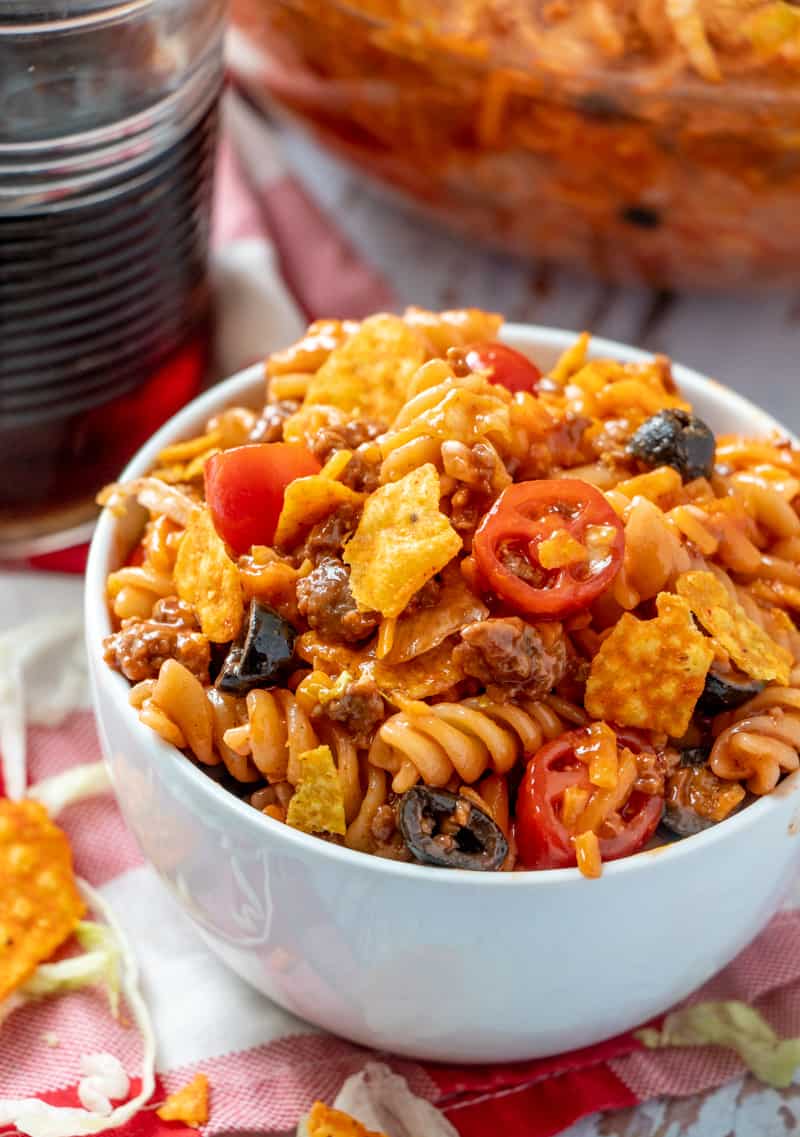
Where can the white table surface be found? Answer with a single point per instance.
(750, 342)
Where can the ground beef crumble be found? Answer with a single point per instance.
(513, 655)
(327, 537)
(345, 436)
(358, 710)
(140, 647)
(425, 597)
(269, 426)
(384, 823)
(363, 472)
(324, 599)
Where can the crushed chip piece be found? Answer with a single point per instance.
(425, 628)
(401, 542)
(650, 673)
(307, 501)
(40, 905)
(370, 373)
(322, 1121)
(727, 623)
(189, 1104)
(207, 578)
(317, 805)
(428, 674)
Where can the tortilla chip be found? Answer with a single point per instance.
(40, 905)
(189, 1104)
(207, 578)
(425, 628)
(323, 1121)
(650, 673)
(402, 541)
(727, 623)
(307, 501)
(369, 374)
(317, 805)
(426, 675)
(422, 677)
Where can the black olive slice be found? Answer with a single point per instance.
(675, 438)
(258, 661)
(727, 692)
(683, 821)
(695, 756)
(444, 829)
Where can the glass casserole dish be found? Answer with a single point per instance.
(655, 141)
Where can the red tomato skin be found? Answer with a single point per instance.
(504, 365)
(542, 841)
(506, 520)
(136, 556)
(245, 488)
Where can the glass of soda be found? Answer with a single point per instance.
(107, 132)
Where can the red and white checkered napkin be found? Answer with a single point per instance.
(265, 1066)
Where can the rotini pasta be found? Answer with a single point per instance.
(543, 557)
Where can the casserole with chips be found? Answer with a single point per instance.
(439, 605)
(644, 140)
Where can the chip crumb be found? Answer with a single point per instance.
(51, 1039)
(323, 1121)
(40, 905)
(317, 805)
(189, 1104)
(727, 623)
(370, 373)
(650, 673)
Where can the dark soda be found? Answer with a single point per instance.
(104, 330)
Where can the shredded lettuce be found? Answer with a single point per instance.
(40, 1119)
(739, 1028)
(99, 965)
(75, 784)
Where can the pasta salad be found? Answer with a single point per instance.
(436, 605)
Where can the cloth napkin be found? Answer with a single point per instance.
(277, 263)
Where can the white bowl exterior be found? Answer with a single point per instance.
(440, 965)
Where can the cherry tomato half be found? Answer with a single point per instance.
(543, 841)
(245, 487)
(506, 546)
(504, 365)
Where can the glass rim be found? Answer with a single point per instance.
(35, 17)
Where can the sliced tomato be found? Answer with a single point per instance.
(543, 841)
(245, 487)
(504, 365)
(506, 546)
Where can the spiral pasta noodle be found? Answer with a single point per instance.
(760, 741)
(432, 743)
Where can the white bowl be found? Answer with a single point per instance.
(448, 965)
